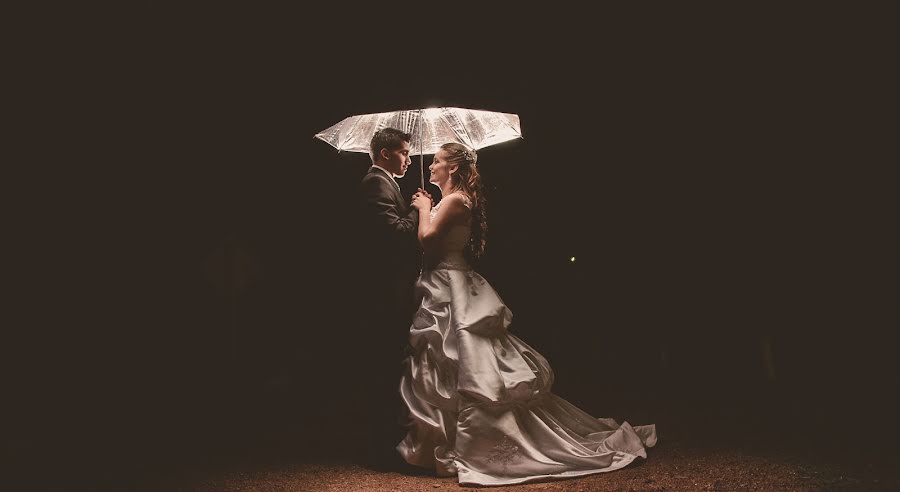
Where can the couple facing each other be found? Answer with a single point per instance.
(476, 400)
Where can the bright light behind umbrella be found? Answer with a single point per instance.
(430, 128)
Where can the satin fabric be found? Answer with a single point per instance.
(479, 398)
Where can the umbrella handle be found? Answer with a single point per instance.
(421, 166)
(421, 172)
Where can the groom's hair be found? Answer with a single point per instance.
(387, 138)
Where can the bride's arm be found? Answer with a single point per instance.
(453, 211)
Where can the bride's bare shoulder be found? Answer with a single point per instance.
(455, 205)
(460, 198)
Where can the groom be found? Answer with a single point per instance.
(391, 264)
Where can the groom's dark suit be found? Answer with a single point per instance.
(390, 225)
(389, 269)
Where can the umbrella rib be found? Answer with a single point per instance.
(513, 128)
(355, 124)
(468, 137)
(326, 141)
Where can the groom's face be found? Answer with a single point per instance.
(398, 159)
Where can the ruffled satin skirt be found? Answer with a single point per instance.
(479, 398)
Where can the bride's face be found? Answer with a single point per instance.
(440, 168)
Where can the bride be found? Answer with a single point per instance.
(478, 397)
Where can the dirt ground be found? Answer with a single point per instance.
(671, 466)
(723, 447)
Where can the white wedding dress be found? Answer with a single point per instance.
(479, 398)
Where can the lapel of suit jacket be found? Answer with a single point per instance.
(395, 186)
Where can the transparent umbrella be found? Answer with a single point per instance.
(430, 128)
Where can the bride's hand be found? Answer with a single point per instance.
(421, 201)
(428, 195)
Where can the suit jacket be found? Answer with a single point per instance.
(390, 226)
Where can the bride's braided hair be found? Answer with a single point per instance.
(467, 180)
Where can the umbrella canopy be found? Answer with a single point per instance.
(430, 128)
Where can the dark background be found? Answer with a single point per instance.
(181, 257)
